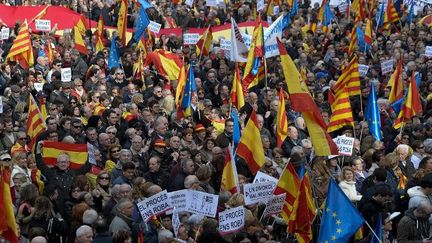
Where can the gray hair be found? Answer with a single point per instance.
(296, 150)
(428, 145)
(190, 180)
(90, 216)
(165, 235)
(122, 204)
(82, 230)
(115, 189)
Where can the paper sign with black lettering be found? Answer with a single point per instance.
(345, 145)
(4, 34)
(258, 192)
(66, 74)
(263, 177)
(387, 66)
(274, 205)
(231, 220)
(154, 27)
(260, 5)
(43, 25)
(154, 205)
(363, 70)
(202, 203)
(428, 51)
(178, 199)
(190, 38)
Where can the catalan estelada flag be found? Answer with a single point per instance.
(79, 42)
(255, 57)
(288, 183)
(122, 21)
(35, 123)
(203, 45)
(166, 63)
(411, 105)
(281, 121)
(237, 92)
(77, 153)
(22, 49)
(100, 41)
(349, 79)
(341, 112)
(8, 225)
(229, 180)
(302, 101)
(250, 147)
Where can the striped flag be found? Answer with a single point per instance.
(411, 106)
(100, 41)
(229, 180)
(188, 92)
(82, 25)
(48, 49)
(250, 147)
(396, 84)
(281, 121)
(358, 6)
(349, 79)
(288, 183)
(180, 85)
(167, 63)
(353, 38)
(203, 45)
(254, 64)
(122, 21)
(79, 42)
(390, 15)
(8, 225)
(35, 123)
(22, 49)
(77, 153)
(342, 113)
(237, 92)
(368, 32)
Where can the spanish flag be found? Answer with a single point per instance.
(203, 45)
(22, 49)
(349, 79)
(396, 84)
(288, 183)
(411, 105)
(8, 225)
(281, 121)
(358, 6)
(302, 101)
(368, 32)
(48, 49)
(250, 147)
(79, 42)
(342, 113)
(35, 123)
(43, 109)
(180, 85)
(122, 21)
(82, 25)
(237, 92)
(167, 63)
(229, 180)
(255, 57)
(77, 153)
(100, 41)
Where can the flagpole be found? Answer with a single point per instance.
(373, 231)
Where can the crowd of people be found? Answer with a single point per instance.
(141, 147)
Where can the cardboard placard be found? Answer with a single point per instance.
(154, 205)
(261, 177)
(231, 220)
(202, 203)
(43, 25)
(190, 38)
(178, 199)
(38, 86)
(345, 145)
(189, 2)
(387, 66)
(66, 74)
(4, 34)
(274, 205)
(212, 3)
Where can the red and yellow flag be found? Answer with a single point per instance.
(342, 113)
(229, 180)
(237, 92)
(122, 21)
(180, 85)
(411, 106)
(77, 153)
(79, 42)
(8, 225)
(288, 183)
(349, 79)
(255, 64)
(203, 45)
(22, 49)
(167, 63)
(396, 83)
(302, 101)
(390, 15)
(368, 32)
(100, 42)
(281, 121)
(82, 25)
(353, 38)
(35, 123)
(250, 147)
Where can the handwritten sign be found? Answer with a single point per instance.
(66, 74)
(263, 177)
(428, 51)
(190, 38)
(212, 3)
(387, 66)
(178, 199)
(260, 5)
(275, 10)
(154, 27)
(4, 34)
(345, 145)
(258, 192)
(231, 220)
(363, 70)
(154, 205)
(43, 25)
(274, 205)
(38, 86)
(202, 203)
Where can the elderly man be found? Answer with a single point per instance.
(405, 164)
(84, 234)
(414, 226)
(291, 141)
(123, 219)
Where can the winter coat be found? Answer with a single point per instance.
(348, 187)
(120, 222)
(412, 230)
(417, 196)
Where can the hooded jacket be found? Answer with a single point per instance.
(411, 229)
(417, 196)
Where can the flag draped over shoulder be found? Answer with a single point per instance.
(281, 121)
(302, 101)
(250, 147)
(35, 124)
(229, 180)
(237, 92)
(122, 21)
(340, 218)
(411, 105)
(166, 63)
(77, 153)
(8, 225)
(203, 45)
(22, 49)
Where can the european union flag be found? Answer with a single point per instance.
(411, 12)
(378, 230)
(236, 130)
(294, 9)
(328, 15)
(340, 218)
(113, 60)
(189, 91)
(373, 115)
(380, 15)
(361, 40)
(41, 53)
(141, 23)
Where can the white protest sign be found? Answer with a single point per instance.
(260, 5)
(154, 205)
(4, 34)
(258, 192)
(212, 3)
(269, 20)
(363, 70)
(275, 10)
(189, 2)
(38, 86)
(345, 145)
(202, 203)
(274, 205)
(66, 74)
(387, 66)
(154, 27)
(263, 177)
(43, 25)
(190, 38)
(175, 222)
(343, 7)
(91, 154)
(231, 220)
(428, 51)
(178, 199)
(225, 45)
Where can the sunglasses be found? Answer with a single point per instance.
(115, 151)
(77, 126)
(104, 178)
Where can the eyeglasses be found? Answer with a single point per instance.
(111, 132)
(104, 178)
(73, 102)
(421, 147)
(115, 151)
(77, 126)
(119, 73)
(22, 138)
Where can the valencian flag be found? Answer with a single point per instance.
(203, 45)
(411, 105)
(281, 120)
(77, 153)
(100, 41)
(188, 93)
(340, 218)
(35, 123)
(250, 147)
(22, 49)
(288, 183)
(229, 180)
(237, 92)
(122, 21)
(302, 101)
(372, 114)
(8, 225)
(349, 79)
(254, 64)
(167, 63)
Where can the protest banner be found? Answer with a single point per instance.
(202, 203)
(257, 192)
(261, 177)
(43, 25)
(178, 199)
(363, 70)
(190, 38)
(231, 220)
(274, 205)
(154, 205)
(345, 145)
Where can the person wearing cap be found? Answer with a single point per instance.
(200, 135)
(16, 96)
